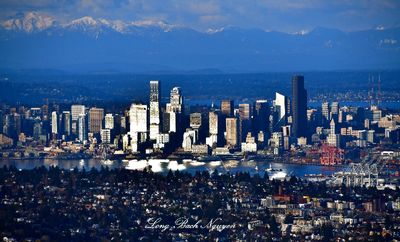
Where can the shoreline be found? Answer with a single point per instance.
(257, 160)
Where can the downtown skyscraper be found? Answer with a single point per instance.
(299, 107)
(154, 109)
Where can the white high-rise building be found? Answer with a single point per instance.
(213, 123)
(280, 103)
(82, 128)
(76, 110)
(105, 135)
(176, 101)
(173, 121)
(232, 137)
(333, 138)
(212, 139)
(190, 138)
(109, 121)
(154, 109)
(54, 122)
(138, 118)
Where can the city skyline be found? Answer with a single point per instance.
(199, 120)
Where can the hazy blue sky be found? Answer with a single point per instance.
(281, 15)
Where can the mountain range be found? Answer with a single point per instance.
(36, 41)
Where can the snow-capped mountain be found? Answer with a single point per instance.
(28, 22)
(34, 40)
(35, 22)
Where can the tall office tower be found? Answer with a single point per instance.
(165, 127)
(232, 137)
(45, 110)
(154, 109)
(66, 123)
(176, 101)
(244, 124)
(333, 138)
(195, 120)
(227, 107)
(244, 111)
(299, 107)
(96, 116)
(76, 110)
(261, 117)
(35, 113)
(105, 136)
(109, 121)
(213, 123)
(213, 126)
(54, 122)
(17, 123)
(281, 103)
(138, 118)
(334, 111)
(173, 109)
(82, 127)
(325, 113)
(124, 124)
(333, 127)
(173, 122)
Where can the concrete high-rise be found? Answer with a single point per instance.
(138, 118)
(109, 121)
(195, 120)
(154, 109)
(325, 113)
(96, 116)
(54, 122)
(261, 117)
(281, 104)
(176, 101)
(82, 127)
(335, 111)
(232, 137)
(244, 122)
(227, 107)
(213, 123)
(244, 111)
(76, 110)
(299, 107)
(66, 123)
(213, 126)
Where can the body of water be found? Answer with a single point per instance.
(163, 166)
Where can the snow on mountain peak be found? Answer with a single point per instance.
(213, 31)
(301, 32)
(153, 23)
(29, 22)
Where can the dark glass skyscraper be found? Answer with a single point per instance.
(299, 107)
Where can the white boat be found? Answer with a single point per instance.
(280, 175)
(270, 168)
(197, 163)
(215, 163)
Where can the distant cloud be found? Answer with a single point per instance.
(283, 15)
